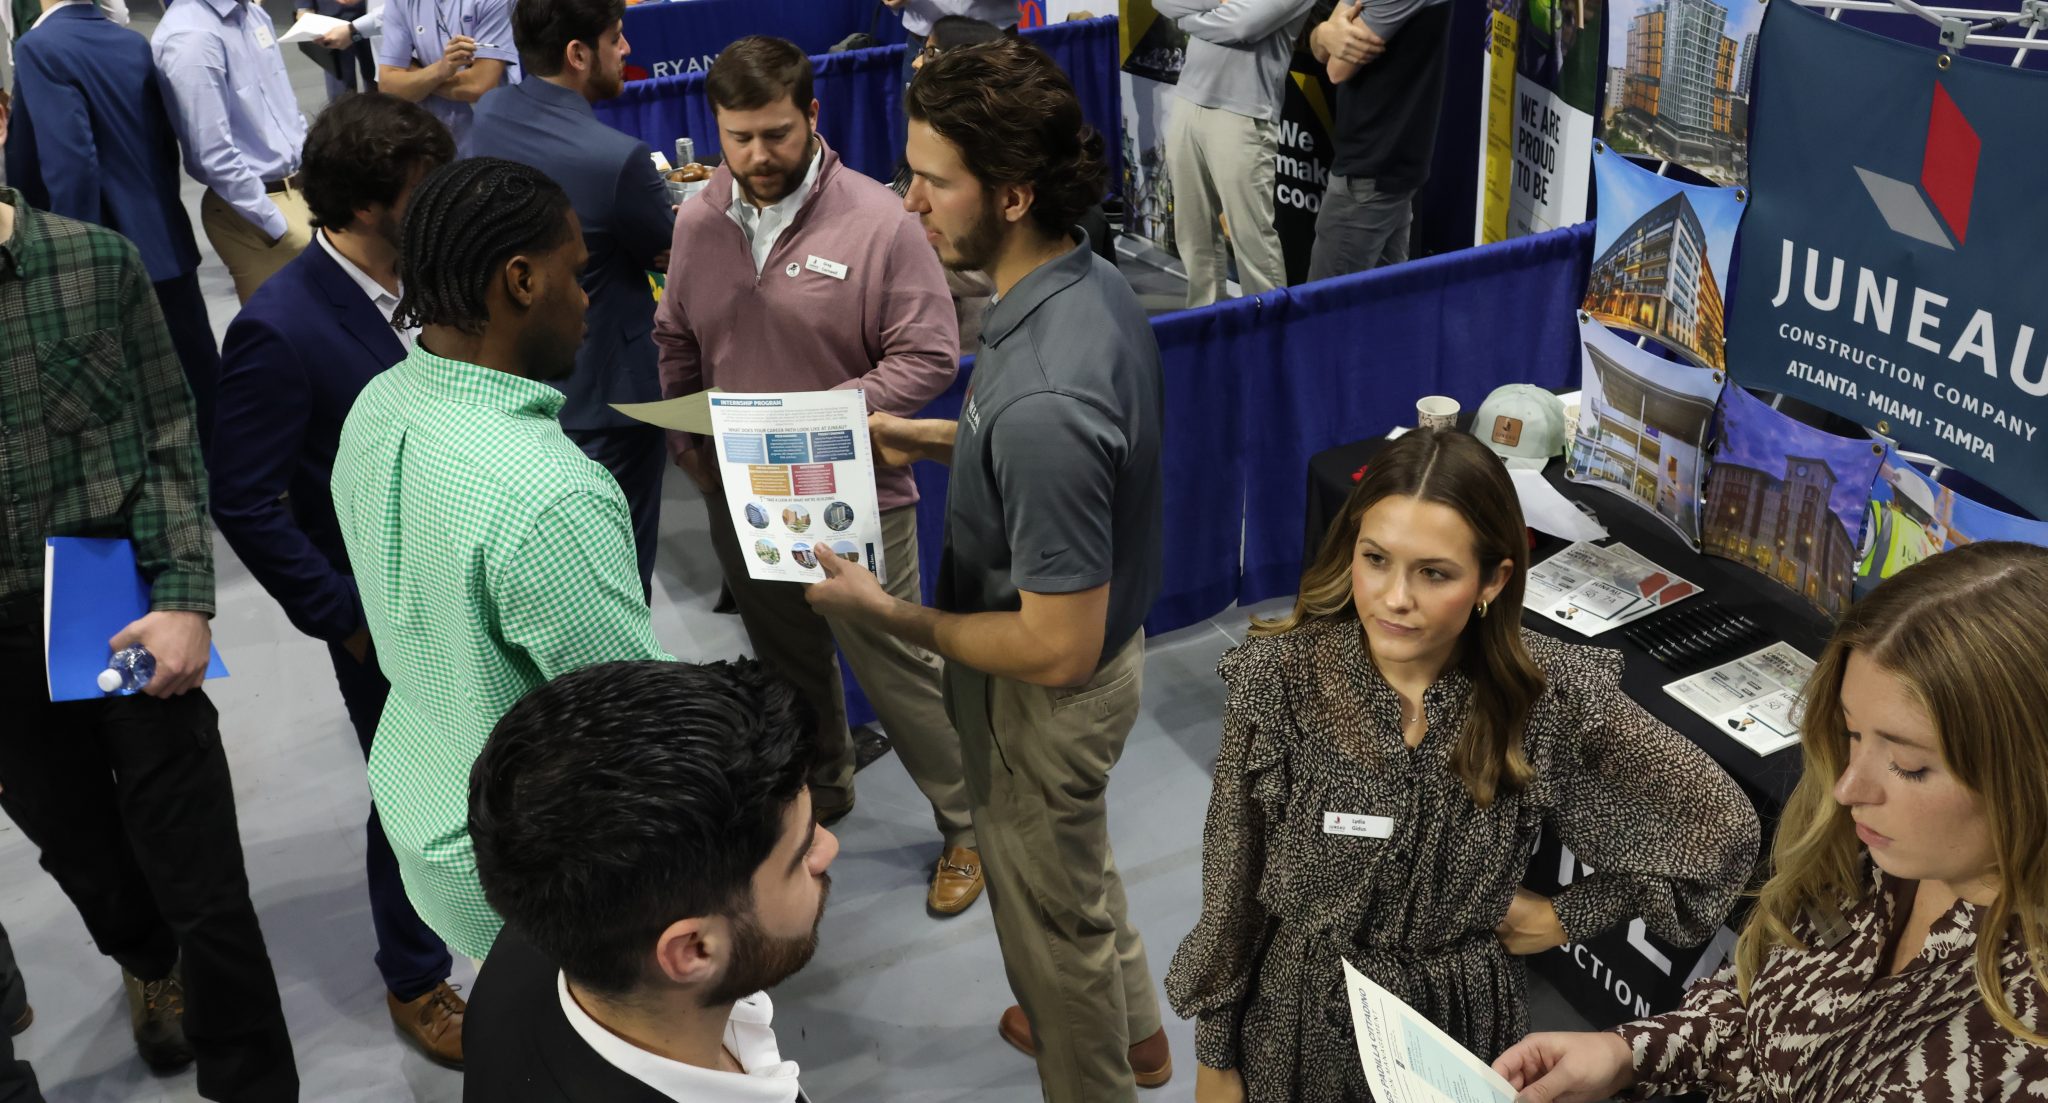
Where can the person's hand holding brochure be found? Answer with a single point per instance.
(311, 27)
(1407, 1059)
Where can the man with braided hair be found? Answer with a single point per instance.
(491, 554)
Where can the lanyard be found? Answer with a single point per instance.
(441, 29)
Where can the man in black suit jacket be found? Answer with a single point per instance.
(295, 359)
(573, 53)
(645, 830)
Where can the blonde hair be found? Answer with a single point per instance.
(1966, 631)
(1450, 468)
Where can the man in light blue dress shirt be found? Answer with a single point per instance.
(445, 54)
(238, 120)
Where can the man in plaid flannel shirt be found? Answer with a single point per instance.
(128, 799)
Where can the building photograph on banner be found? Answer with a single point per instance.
(1541, 81)
(1891, 256)
(1913, 516)
(1661, 251)
(1787, 500)
(1643, 424)
(1679, 75)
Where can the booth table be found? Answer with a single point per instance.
(1627, 973)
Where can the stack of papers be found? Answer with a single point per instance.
(1591, 589)
(1755, 699)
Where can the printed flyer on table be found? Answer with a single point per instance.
(798, 474)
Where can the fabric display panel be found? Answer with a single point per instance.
(1912, 516)
(1642, 427)
(1890, 258)
(1678, 82)
(1788, 500)
(1661, 255)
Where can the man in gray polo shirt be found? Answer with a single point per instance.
(1052, 552)
(1224, 136)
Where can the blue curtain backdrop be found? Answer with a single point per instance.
(1356, 352)
(668, 37)
(849, 87)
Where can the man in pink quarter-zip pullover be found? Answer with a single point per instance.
(792, 272)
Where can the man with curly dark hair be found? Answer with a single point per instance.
(1052, 551)
(297, 356)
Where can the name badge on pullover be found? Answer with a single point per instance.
(1357, 826)
(825, 267)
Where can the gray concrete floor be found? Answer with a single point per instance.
(896, 1005)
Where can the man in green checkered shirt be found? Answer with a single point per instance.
(491, 554)
(128, 799)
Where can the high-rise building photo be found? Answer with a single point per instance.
(1683, 69)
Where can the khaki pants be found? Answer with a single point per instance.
(1222, 162)
(901, 680)
(242, 245)
(1038, 763)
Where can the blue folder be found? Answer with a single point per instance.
(91, 590)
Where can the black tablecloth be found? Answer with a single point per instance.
(1627, 973)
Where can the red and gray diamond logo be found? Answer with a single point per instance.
(1937, 209)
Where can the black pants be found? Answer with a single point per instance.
(410, 956)
(129, 801)
(637, 456)
(17, 1080)
(184, 307)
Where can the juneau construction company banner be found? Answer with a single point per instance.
(1891, 258)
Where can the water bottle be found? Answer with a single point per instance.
(129, 670)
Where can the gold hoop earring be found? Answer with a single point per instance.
(1482, 609)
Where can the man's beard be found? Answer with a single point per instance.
(546, 357)
(788, 180)
(760, 962)
(975, 250)
(390, 229)
(610, 85)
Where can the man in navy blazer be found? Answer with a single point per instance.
(294, 361)
(93, 141)
(574, 54)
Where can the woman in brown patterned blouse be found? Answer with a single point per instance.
(1900, 950)
(1391, 751)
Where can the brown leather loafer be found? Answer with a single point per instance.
(956, 883)
(433, 1023)
(22, 1021)
(1151, 1064)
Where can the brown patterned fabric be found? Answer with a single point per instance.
(1827, 1024)
(1309, 727)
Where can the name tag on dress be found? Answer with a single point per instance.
(825, 267)
(1363, 827)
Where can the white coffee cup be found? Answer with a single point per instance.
(1436, 412)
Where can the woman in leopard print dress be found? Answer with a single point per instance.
(1899, 952)
(1403, 699)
